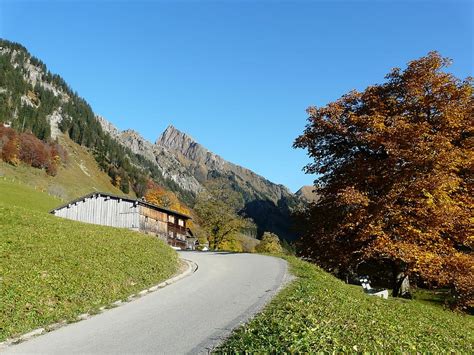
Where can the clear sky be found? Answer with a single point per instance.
(235, 75)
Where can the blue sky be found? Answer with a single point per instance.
(235, 75)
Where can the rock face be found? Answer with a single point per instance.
(166, 162)
(307, 194)
(205, 165)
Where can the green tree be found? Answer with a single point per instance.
(218, 216)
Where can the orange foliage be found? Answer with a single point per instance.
(159, 196)
(25, 147)
(9, 144)
(396, 165)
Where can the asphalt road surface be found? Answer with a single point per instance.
(189, 316)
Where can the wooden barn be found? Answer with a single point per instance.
(135, 214)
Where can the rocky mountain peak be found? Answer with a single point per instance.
(174, 138)
(182, 144)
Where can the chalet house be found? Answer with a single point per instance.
(135, 214)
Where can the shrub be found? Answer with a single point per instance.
(33, 151)
(231, 244)
(9, 145)
(270, 244)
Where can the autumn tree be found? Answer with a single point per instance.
(395, 164)
(270, 243)
(158, 195)
(217, 214)
(27, 148)
(10, 145)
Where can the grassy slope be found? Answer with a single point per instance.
(52, 269)
(81, 175)
(318, 312)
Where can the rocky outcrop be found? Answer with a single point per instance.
(108, 127)
(183, 145)
(307, 194)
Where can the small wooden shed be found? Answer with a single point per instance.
(135, 214)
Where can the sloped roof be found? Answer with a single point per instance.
(125, 198)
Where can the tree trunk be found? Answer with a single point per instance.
(402, 285)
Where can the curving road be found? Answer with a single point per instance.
(190, 316)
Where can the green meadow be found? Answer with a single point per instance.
(52, 269)
(319, 313)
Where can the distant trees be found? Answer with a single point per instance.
(396, 184)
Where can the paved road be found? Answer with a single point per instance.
(190, 316)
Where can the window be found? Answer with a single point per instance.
(171, 219)
(181, 222)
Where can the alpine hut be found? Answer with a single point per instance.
(135, 214)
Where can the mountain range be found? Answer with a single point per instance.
(32, 98)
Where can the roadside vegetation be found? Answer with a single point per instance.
(318, 312)
(52, 269)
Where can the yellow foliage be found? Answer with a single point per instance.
(231, 244)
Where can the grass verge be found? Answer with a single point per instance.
(318, 312)
(52, 269)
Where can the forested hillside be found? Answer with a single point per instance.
(33, 99)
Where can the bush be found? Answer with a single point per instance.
(33, 151)
(270, 244)
(231, 244)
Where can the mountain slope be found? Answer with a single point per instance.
(33, 99)
(267, 203)
(78, 176)
(307, 194)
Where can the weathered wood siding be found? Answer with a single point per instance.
(152, 221)
(104, 211)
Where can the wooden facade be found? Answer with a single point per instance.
(123, 212)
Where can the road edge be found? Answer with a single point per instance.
(219, 337)
(190, 269)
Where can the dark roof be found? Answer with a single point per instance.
(125, 198)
